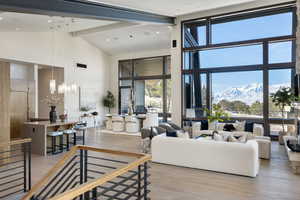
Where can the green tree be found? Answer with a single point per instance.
(256, 108)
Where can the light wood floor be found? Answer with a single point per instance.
(275, 181)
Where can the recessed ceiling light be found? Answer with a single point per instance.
(1, 18)
(17, 29)
(50, 20)
(108, 40)
(157, 32)
(170, 27)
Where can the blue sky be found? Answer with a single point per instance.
(262, 27)
(222, 81)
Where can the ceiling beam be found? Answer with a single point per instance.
(108, 27)
(82, 9)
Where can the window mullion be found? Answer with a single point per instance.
(266, 89)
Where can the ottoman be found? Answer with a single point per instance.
(264, 146)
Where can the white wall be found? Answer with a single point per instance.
(176, 52)
(133, 55)
(37, 48)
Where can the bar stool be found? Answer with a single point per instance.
(81, 127)
(68, 133)
(53, 135)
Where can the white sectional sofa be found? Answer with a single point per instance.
(264, 143)
(226, 157)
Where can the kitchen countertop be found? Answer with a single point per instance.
(48, 123)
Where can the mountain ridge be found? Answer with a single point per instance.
(247, 94)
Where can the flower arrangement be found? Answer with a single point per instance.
(52, 100)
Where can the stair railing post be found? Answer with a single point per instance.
(145, 181)
(81, 170)
(87, 194)
(139, 182)
(24, 166)
(29, 166)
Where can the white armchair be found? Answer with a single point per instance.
(118, 124)
(151, 120)
(132, 124)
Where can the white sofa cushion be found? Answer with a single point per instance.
(182, 134)
(233, 158)
(239, 125)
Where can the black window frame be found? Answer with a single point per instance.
(264, 67)
(164, 77)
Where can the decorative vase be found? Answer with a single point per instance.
(63, 117)
(52, 114)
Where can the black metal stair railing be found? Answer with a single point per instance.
(15, 168)
(89, 165)
(130, 185)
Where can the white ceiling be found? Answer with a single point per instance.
(172, 7)
(132, 39)
(41, 23)
(145, 36)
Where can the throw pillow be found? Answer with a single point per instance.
(229, 127)
(167, 127)
(226, 135)
(243, 139)
(173, 125)
(218, 137)
(204, 125)
(240, 125)
(171, 133)
(249, 126)
(182, 134)
(231, 138)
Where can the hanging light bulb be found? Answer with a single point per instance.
(52, 83)
(62, 88)
(52, 86)
(74, 88)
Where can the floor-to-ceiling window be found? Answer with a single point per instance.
(149, 79)
(237, 61)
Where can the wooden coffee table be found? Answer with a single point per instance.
(294, 157)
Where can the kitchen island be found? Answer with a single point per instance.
(37, 131)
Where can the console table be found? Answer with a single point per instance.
(294, 157)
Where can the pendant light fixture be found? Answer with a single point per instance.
(52, 84)
(64, 87)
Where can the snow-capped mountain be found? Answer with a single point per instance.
(248, 94)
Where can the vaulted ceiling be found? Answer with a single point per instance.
(172, 7)
(116, 37)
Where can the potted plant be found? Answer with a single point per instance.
(109, 101)
(283, 99)
(85, 109)
(217, 114)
